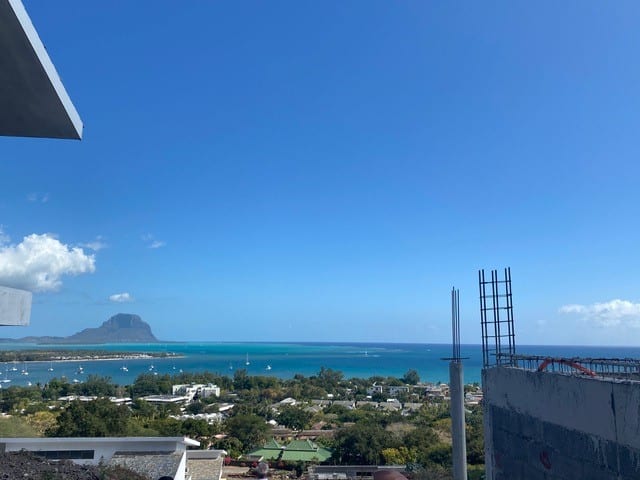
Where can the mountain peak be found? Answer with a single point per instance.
(122, 327)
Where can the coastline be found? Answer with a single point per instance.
(69, 356)
(102, 359)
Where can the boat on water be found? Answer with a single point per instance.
(246, 362)
(268, 367)
(80, 369)
(124, 368)
(50, 369)
(152, 368)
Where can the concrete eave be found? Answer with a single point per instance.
(33, 101)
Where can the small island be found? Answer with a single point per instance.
(59, 355)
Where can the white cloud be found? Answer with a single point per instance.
(39, 262)
(36, 197)
(4, 238)
(123, 297)
(608, 314)
(151, 242)
(95, 245)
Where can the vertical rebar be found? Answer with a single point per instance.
(456, 384)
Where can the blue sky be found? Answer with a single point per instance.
(328, 170)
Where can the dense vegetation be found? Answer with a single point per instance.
(364, 435)
(55, 354)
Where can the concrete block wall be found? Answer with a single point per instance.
(543, 425)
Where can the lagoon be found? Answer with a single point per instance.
(285, 359)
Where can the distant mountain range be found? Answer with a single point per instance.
(121, 328)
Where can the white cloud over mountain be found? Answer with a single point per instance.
(39, 262)
(608, 314)
(123, 297)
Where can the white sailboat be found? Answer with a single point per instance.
(247, 360)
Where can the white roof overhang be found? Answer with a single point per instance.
(33, 101)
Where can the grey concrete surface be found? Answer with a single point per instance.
(458, 432)
(15, 306)
(552, 426)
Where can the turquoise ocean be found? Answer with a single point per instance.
(284, 359)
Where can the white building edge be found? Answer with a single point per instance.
(34, 104)
(156, 457)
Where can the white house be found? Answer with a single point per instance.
(193, 389)
(155, 457)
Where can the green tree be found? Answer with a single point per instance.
(294, 417)
(98, 418)
(232, 445)
(241, 380)
(96, 385)
(143, 409)
(420, 439)
(56, 388)
(361, 444)
(194, 408)
(250, 430)
(475, 437)
(167, 427)
(195, 428)
(411, 377)
(398, 456)
(149, 384)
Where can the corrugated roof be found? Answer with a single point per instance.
(302, 445)
(320, 455)
(272, 444)
(266, 453)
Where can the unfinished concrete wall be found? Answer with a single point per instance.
(542, 425)
(15, 306)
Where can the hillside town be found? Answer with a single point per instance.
(242, 421)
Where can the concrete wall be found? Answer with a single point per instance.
(15, 306)
(542, 425)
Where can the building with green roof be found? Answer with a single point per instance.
(294, 451)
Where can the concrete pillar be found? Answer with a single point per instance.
(456, 389)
